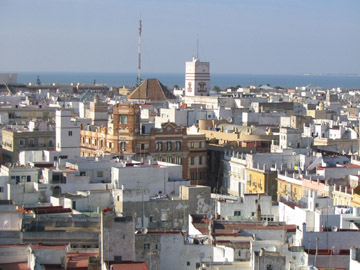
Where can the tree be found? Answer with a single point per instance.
(216, 88)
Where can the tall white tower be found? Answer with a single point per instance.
(67, 134)
(197, 78)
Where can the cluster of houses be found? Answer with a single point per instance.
(251, 178)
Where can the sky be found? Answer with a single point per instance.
(235, 36)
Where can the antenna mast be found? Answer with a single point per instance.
(139, 55)
(197, 49)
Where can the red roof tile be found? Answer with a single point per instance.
(130, 266)
(79, 260)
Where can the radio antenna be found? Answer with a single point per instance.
(139, 54)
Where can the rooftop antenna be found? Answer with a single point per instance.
(197, 49)
(139, 54)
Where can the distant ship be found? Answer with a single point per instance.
(6, 78)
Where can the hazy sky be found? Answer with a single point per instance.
(236, 36)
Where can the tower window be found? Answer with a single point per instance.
(123, 119)
(158, 146)
(168, 146)
(123, 146)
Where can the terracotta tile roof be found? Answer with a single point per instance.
(130, 266)
(79, 260)
(151, 90)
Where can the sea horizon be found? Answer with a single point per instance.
(222, 80)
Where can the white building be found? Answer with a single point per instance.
(153, 179)
(236, 163)
(67, 134)
(246, 208)
(197, 78)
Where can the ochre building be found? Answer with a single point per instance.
(171, 143)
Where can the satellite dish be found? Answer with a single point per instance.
(265, 223)
(144, 230)
(334, 228)
(229, 119)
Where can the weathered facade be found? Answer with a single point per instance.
(171, 143)
(14, 141)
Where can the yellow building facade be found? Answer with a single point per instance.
(289, 187)
(261, 181)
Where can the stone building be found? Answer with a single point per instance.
(19, 138)
(123, 136)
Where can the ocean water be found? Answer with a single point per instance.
(171, 79)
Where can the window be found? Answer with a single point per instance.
(269, 267)
(164, 216)
(70, 133)
(50, 143)
(136, 118)
(192, 145)
(22, 143)
(159, 146)
(123, 146)
(200, 160)
(142, 146)
(151, 219)
(168, 146)
(41, 142)
(252, 214)
(123, 119)
(28, 178)
(1, 189)
(192, 160)
(178, 145)
(82, 173)
(100, 173)
(237, 213)
(146, 246)
(188, 263)
(178, 160)
(118, 259)
(200, 144)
